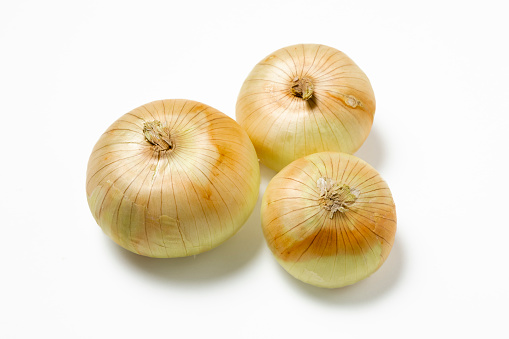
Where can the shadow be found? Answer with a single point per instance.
(311, 103)
(365, 291)
(372, 151)
(266, 175)
(214, 265)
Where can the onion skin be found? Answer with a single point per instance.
(320, 248)
(305, 99)
(181, 197)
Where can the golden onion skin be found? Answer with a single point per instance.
(181, 198)
(305, 99)
(317, 246)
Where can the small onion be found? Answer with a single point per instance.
(305, 99)
(172, 178)
(329, 219)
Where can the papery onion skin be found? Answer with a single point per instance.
(305, 99)
(320, 248)
(181, 198)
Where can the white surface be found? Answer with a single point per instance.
(440, 74)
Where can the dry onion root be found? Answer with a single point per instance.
(305, 99)
(172, 178)
(329, 219)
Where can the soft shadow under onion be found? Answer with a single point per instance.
(229, 257)
(372, 151)
(365, 291)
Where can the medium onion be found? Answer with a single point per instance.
(305, 99)
(329, 219)
(172, 178)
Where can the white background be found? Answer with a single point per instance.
(440, 73)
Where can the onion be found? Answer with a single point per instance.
(329, 219)
(305, 99)
(172, 178)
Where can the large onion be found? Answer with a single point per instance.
(305, 99)
(329, 219)
(172, 178)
